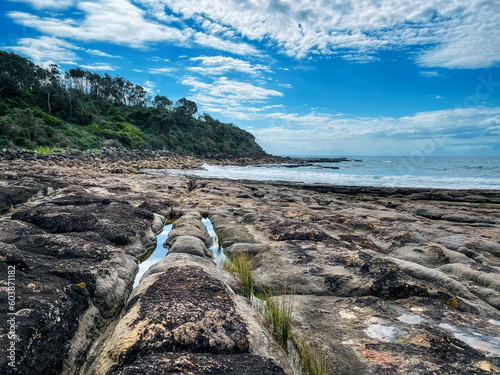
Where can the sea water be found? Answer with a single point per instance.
(446, 172)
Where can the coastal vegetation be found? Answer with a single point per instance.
(277, 313)
(44, 108)
(241, 265)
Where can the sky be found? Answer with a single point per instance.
(306, 77)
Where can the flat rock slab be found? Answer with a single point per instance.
(367, 336)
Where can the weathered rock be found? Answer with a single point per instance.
(189, 245)
(118, 222)
(386, 280)
(173, 363)
(70, 278)
(179, 309)
(367, 336)
(156, 206)
(230, 232)
(244, 248)
(192, 230)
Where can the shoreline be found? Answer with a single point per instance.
(121, 161)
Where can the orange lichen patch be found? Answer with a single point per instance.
(421, 340)
(383, 359)
(452, 302)
(487, 366)
(82, 284)
(242, 344)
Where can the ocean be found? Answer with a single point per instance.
(446, 172)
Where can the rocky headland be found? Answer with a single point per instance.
(381, 280)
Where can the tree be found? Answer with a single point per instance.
(186, 107)
(162, 102)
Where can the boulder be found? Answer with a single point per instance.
(250, 249)
(188, 245)
(181, 308)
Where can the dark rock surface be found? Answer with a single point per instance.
(175, 363)
(72, 274)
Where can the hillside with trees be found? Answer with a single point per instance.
(42, 107)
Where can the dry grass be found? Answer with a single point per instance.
(314, 361)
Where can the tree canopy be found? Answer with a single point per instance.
(42, 107)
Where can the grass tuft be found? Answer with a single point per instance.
(314, 361)
(278, 316)
(241, 265)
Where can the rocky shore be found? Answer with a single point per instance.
(382, 281)
(119, 160)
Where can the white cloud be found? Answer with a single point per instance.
(96, 52)
(46, 50)
(120, 22)
(98, 67)
(444, 33)
(161, 70)
(157, 59)
(430, 73)
(423, 132)
(218, 43)
(469, 42)
(456, 33)
(116, 21)
(47, 4)
(234, 99)
(218, 65)
(226, 88)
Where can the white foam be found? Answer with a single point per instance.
(335, 177)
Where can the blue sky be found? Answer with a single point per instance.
(306, 77)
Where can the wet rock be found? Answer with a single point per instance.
(70, 276)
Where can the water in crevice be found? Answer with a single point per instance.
(219, 257)
(154, 255)
(488, 344)
(485, 343)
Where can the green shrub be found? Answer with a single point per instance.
(51, 120)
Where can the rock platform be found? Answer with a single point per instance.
(383, 281)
